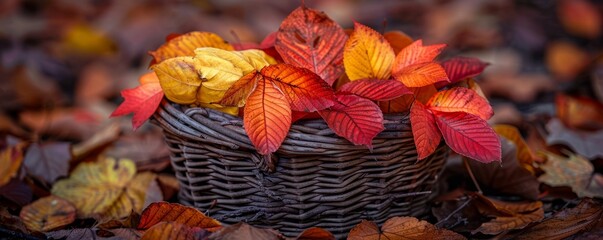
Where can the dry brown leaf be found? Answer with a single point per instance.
(48, 161)
(101, 138)
(169, 231)
(556, 59)
(573, 171)
(147, 149)
(315, 233)
(70, 123)
(47, 214)
(243, 230)
(73, 234)
(10, 162)
(567, 222)
(400, 228)
(580, 17)
(12, 222)
(585, 143)
(173, 212)
(522, 215)
(169, 185)
(579, 112)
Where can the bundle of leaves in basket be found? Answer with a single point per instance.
(315, 126)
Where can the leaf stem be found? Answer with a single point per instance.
(466, 163)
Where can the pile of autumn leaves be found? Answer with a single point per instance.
(293, 71)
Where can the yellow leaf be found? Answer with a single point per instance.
(94, 187)
(524, 153)
(10, 162)
(84, 39)
(179, 79)
(185, 45)
(133, 198)
(367, 54)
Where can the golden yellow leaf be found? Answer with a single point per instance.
(10, 162)
(524, 153)
(179, 79)
(94, 187)
(132, 198)
(47, 213)
(185, 45)
(84, 39)
(367, 54)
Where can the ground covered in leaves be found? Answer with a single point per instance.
(67, 170)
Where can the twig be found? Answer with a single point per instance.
(466, 163)
(454, 212)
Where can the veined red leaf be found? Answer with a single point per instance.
(376, 89)
(356, 119)
(310, 39)
(469, 135)
(424, 130)
(461, 100)
(142, 100)
(267, 117)
(240, 90)
(367, 54)
(415, 67)
(304, 90)
(459, 68)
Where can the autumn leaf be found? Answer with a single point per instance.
(574, 171)
(237, 94)
(524, 154)
(185, 45)
(400, 228)
(356, 119)
(315, 233)
(48, 161)
(426, 135)
(135, 196)
(579, 112)
(397, 40)
(460, 100)
(94, 187)
(376, 89)
(310, 39)
(173, 212)
(47, 213)
(403, 103)
(178, 79)
(581, 18)
(469, 136)
(415, 67)
(10, 162)
(367, 55)
(243, 230)
(170, 231)
(267, 117)
(522, 214)
(567, 222)
(142, 100)
(585, 143)
(459, 68)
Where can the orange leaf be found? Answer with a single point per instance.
(580, 17)
(375, 89)
(173, 212)
(398, 40)
(10, 162)
(423, 94)
(400, 228)
(303, 89)
(142, 100)
(460, 100)
(237, 94)
(47, 213)
(367, 55)
(169, 231)
(356, 119)
(414, 65)
(310, 39)
(524, 154)
(267, 117)
(579, 112)
(185, 45)
(424, 130)
(397, 105)
(469, 136)
(315, 233)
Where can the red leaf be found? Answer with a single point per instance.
(424, 130)
(173, 212)
(460, 100)
(469, 135)
(356, 119)
(304, 90)
(375, 89)
(459, 68)
(142, 100)
(267, 117)
(414, 65)
(310, 39)
(240, 90)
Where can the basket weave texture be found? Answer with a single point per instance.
(320, 179)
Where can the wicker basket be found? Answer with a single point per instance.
(320, 179)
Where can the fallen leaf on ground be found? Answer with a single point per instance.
(573, 171)
(315, 233)
(73, 234)
(48, 213)
(172, 231)
(173, 212)
(522, 214)
(557, 54)
(580, 17)
(103, 137)
(17, 191)
(243, 230)
(48, 161)
(146, 148)
(68, 123)
(579, 112)
(585, 143)
(93, 187)
(399, 228)
(10, 162)
(524, 155)
(135, 195)
(567, 222)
